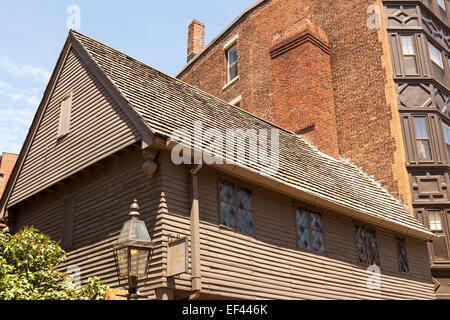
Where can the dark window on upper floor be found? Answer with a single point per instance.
(422, 139)
(437, 221)
(366, 246)
(309, 230)
(402, 255)
(232, 63)
(446, 130)
(236, 207)
(437, 62)
(409, 54)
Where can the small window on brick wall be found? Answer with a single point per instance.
(402, 255)
(236, 207)
(366, 246)
(310, 230)
(232, 63)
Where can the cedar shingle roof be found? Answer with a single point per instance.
(167, 104)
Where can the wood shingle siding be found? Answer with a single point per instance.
(98, 128)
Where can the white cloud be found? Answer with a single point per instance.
(15, 96)
(24, 70)
(32, 101)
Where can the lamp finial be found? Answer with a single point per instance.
(134, 209)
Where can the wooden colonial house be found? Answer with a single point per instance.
(102, 136)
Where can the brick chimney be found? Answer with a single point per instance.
(303, 98)
(196, 39)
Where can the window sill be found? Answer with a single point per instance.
(225, 228)
(230, 83)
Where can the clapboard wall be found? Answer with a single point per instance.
(269, 265)
(98, 128)
(101, 198)
(266, 266)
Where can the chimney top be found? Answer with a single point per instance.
(196, 38)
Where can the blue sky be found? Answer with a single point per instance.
(32, 34)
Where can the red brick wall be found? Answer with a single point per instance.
(301, 78)
(196, 37)
(7, 163)
(365, 106)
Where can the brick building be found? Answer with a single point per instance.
(7, 162)
(364, 80)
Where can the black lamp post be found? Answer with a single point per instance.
(132, 251)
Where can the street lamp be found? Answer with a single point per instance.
(132, 251)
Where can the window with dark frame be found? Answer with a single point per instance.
(310, 230)
(422, 139)
(366, 246)
(236, 207)
(437, 223)
(409, 54)
(402, 255)
(437, 62)
(232, 64)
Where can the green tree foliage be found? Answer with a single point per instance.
(28, 262)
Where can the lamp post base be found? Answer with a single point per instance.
(132, 288)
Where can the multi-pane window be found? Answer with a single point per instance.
(232, 65)
(310, 230)
(446, 130)
(435, 55)
(435, 221)
(366, 246)
(402, 255)
(437, 63)
(64, 115)
(409, 55)
(236, 208)
(422, 139)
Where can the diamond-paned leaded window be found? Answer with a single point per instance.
(236, 207)
(310, 230)
(402, 256)
(366, 246)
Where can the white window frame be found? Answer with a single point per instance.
(432, 47)
(227, 47)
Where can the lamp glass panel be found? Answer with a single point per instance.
(122, 260)
(139, 231)
(138, 262)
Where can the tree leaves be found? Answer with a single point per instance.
(28, 262)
